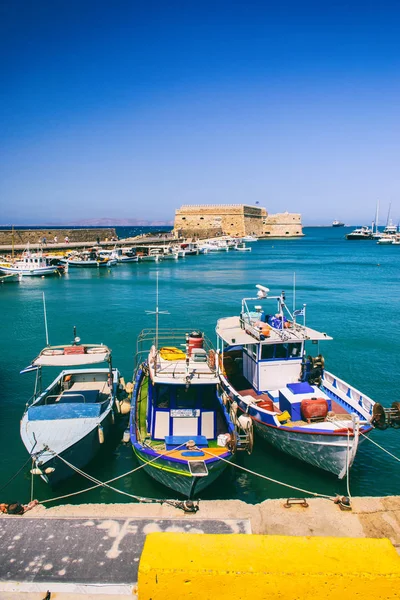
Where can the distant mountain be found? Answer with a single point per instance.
(109, 222)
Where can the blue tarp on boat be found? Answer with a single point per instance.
(53, 412)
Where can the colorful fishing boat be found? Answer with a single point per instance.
(295, 404)
(179, 427)
(72, 417)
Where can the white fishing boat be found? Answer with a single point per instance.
(71, 418)
(151, 254)
(90, 259)
(242, 248)
(119, 255)
(249, 238)
(190, 248)
(32, 264)
(295, 404)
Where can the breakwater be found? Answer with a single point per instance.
(36, 236)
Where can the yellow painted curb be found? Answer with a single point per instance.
(176, 566)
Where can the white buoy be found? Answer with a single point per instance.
(36, 471)
(101, 435)
(124, 407)
(127, 436)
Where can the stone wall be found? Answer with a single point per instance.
(34, 236)
(212, 220)
(283, 225)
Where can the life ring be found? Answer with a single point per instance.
(211, 359)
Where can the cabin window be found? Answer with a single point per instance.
(207, 394)
(267, 351)
(185, 398)
(253, 350)
(163, 395)
(294, 350)
(281, 351)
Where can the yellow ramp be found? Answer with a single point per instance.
(177, 566)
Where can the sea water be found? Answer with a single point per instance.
(351, 289)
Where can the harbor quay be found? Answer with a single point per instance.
(288, 548)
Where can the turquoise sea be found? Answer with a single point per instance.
(352, 292)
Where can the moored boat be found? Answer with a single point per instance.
(360, 233)
(242, 248)
(179, 427)
(32, 264)
(295, 404)
(88, 260)
(73, 416)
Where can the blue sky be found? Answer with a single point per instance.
(130, 109)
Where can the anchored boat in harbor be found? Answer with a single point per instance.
(32, 264)
(295, 404)
(180, 428)
(71, 418)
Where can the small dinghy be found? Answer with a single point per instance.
(73, 416)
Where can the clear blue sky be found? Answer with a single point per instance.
(129, 109)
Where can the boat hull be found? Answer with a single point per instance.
(79, 454)
(177, 477)
(29, 272)
(330, 453)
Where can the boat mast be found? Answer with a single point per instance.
(388, 217)
(45, 320)
(157, 312)
(376, 217)
(12, 242)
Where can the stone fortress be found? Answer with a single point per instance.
(212, 220)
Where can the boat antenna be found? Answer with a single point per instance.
(294, 291)
(157, 311)
(45, 320)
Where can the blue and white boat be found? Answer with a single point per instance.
(73, 416)
(179, 427)
(295, 404)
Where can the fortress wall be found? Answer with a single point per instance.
(283, 225)
(35, 236)
(208, 220)
(211, 220)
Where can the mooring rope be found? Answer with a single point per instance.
(288, 485)
(106, 483)
(381, 447)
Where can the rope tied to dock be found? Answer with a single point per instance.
(185, 506)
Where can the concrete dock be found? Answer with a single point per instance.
(94, 549)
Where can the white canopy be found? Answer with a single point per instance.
(63, 356)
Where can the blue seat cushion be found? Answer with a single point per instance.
(300, 388)
(171, 441)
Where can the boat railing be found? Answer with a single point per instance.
(166, 337)
(348, 394)
(56, 398)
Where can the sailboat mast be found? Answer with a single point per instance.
(376, 217)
